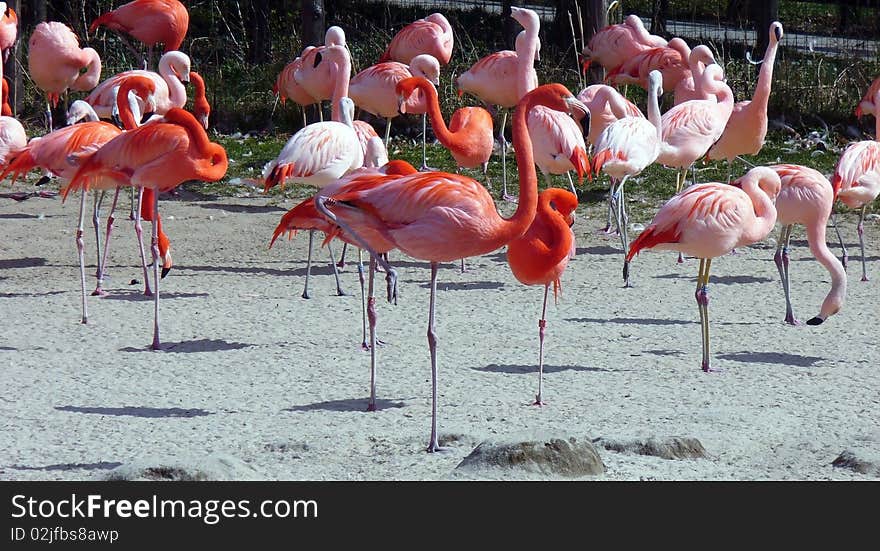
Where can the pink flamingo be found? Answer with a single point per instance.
(625, 148)
(174, 71)
(8, 30)
(747, 126)
(805, 198)
(286, 86)
(12, 138)
(709, 220)
(55, 62)
(867, 105)
(314, 77)
(373, 90)
(856, 181)
(614, 44)
(149, 21)
(690, 128)
(540, 256)
(502, 78)
(160, 155)
(440, 217)
(671, 61)
(431, 35)
(322, 152)
(698, 58)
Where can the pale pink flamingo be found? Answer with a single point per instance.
(8, 30)
(373, 90)
(440, 217)
(709, 220)
(151, 22)
(540, 255)
(690, 128)
(806, 197)
(698, 58)
(502, 78)
(856, 181)
(174, 71)
(55, 62)
(12, 138)
(747, 126)
(431, 35)
(672, 62)
(286, 86)
(160, 155)
(625, 148)
(614, 44)
(867, 105)
(316, 78)
(322, 152)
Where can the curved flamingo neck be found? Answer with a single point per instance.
(176, 90)
(761, 96)
(211, 158)
(818, 246)
(126, 110)
(765, 209)
(433, 111)
(654, 108)
(340, 73)
(525, 60)
(554, 220)
(522, 218)
(607, 96)
(88, 80)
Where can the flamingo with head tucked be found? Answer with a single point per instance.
(431, 35)
(709, 220)
(612, 45)
(440, 217)
(151, 22)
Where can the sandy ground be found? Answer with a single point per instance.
(252, 371)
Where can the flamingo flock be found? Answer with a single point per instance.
(386, 207)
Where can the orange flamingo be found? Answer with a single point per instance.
(625, 148)
(747, 126)
(8, 30)
(440, 217)
(174, 71)
(856, 181)
(55, 62)
(431, 35)
(805, 198)
(709, 220)
(614, 44)
(151, 22)
(502, 78)
(540, 256)
(160, 155)
(6, 109)
(469, 134)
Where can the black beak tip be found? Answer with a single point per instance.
(164, 272)
(778, 32)
(43, 181)
(815, 321)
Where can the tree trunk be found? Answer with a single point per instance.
(659, 15)
(312, 22)
(764, 13)
(511, 27)
(261, 40)
(595, 14)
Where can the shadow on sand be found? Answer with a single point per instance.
(198, 345)
(533, 369)
(136, 411)
(357, 404)
(779, 358)
(100, 465)
(6, 264)
(637, 321)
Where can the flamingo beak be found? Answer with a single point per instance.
(576, 104)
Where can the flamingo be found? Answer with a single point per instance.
(614, 44)
(286, 86)
(322, 152)
(431, 35)
(502, 78)
(698, 58)
(539, 256)
(805, 198)
(690, 128)
(5, 109)
(160, 155)
(151, 22)
(201, 108)
(373, 90)
(55, 61)
(856, 181)
(63, 151)
(559, 145)
(315, 78)
(625, 148)
(12, 138)
(440, 217)
(671, 60)
(174, 71)
(866, 105)
(747, 126)
(709, 220)
(8, 30)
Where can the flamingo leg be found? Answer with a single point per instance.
(571, 182)
(781, 259)
(341, 263)
(360, 269)
(505, 195)
(702, 296)
(729, 170)
(320, 111)
(861, 230)
(82, 262)
(49, 116)
(425, 144)
(371, 315)
(339, 290)
(96, 223)
(623, 224)
(433, 443)
(154, 248)
(844, 258)
(542, 324)
(607, 229)
(138, 229)
(309, 265)
(102, 264)
(387, 131)
(134, 202)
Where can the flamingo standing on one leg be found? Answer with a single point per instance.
(708, 221)
(431, 35)
(502, 78)
(805, 198)
(856, 181)
(624, 149)
(541, 254)
(161, 155)
(322, 152)
(747, 126)
(151, 22)
(55, 62)
(440, 217)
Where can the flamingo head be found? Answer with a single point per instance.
(776, 31)
(427, 66)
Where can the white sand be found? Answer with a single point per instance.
(252, 371)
